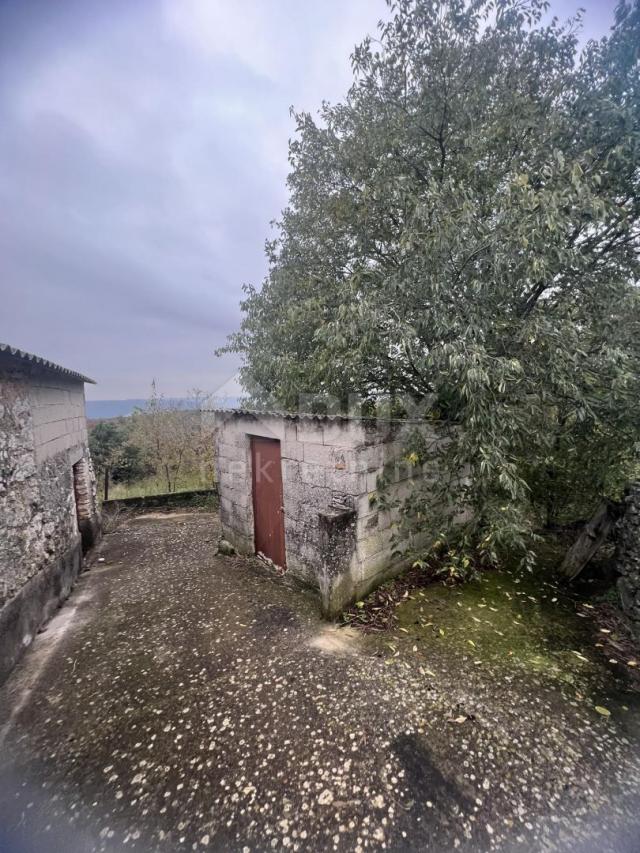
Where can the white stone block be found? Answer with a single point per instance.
(290, 471)
(379, 564)
(310, 431)
(372, 544)
(343, 433)
(367, 524)
(290, 430)
(368, 458)
(265, 426)
(227, 480)
(366, 503)
(347, 482)
(239, 497)
(312, 474)
(238, 468)
(225, 449)
(319, 454)
(241, 516)
(292, 450)
(371, 481)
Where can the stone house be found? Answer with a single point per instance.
(301, 491)
(48, 510)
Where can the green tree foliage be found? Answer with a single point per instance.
(463, 229)
(106, 440)
(131, 465)
(114, 456)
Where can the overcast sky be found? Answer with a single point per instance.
(143, 154)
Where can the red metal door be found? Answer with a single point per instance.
(268, 515)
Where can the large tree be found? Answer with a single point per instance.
(464, 229)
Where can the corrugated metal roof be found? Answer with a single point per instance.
(260, 413)
(45, 364)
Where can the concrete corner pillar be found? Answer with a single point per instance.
(337, 545)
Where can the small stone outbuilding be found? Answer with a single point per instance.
(48, 510)
(301, 490)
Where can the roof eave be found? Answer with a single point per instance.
(45, 364)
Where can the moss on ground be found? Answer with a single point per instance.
(515, 618)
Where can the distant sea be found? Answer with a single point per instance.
(104, 409)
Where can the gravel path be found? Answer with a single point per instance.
(184, 701)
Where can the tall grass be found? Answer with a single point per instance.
(155, 485)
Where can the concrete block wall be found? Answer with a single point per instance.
(327, 463)
(374, 560)
(58, 416)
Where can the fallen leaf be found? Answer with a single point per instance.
(604, 711)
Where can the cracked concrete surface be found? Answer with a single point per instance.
(185, 701)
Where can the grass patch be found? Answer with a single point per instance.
(155, 485)
(509, 618)
(503, 616)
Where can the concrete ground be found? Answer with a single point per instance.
(185, 701)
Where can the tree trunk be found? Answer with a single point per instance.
(106, 483)
(593, 535)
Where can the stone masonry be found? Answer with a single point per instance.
(48, 511)
(337, 538)
(628, 556)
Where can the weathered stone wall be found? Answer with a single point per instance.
(330, 471)
(628, 556)
(42, 436)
